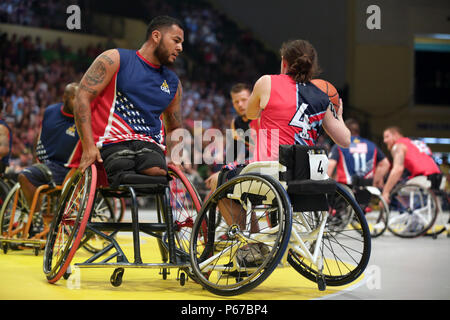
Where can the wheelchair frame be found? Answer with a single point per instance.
(172, 256)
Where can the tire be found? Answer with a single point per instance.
(186, 204)
(442, 222)
(345, 253)
(16, 201)
(215, 262)
(412, 210)
(4, 190)
(68, 225)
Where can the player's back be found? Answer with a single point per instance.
(360, 159)
(293, 115)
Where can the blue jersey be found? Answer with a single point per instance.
(58, 136)
(360, 159)
(6, 158)
(130, 107)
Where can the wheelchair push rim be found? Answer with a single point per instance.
(68, 225)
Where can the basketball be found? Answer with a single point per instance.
(329, 89)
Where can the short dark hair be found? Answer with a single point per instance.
(394, 129)
(353, 126)
(160, 22)
(238, 87)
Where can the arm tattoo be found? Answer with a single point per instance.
(108, 59)
(96, 73)
(90, 90)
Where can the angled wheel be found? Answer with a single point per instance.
(442, 222)
(344, 253)
(259, 216)
(68, 225)
(14, 214)
(185, 203)
(412, 211)
(104, 210)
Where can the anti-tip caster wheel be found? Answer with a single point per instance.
(116, 277)
(321, 283)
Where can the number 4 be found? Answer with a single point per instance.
(320, 168)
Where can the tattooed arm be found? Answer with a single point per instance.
(94, 81)
(398, 154)
(172, 118)
(4, 141)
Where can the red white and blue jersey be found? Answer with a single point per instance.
(360, 159)
(293, 115)
(418, 160)
(131, 106)
(58, 137)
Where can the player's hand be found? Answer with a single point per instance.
(90, 155)
(340, 109)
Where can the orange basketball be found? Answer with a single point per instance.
(329, 89)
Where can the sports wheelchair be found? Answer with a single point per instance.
(414, 207)
(375, 208)
(177, 204)
(278, 213)
(26, 227)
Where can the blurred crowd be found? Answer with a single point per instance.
(33, 74)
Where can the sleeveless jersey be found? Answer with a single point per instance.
(293, 115)
(360, 159)
(130, 107)
(6, 158)
(418, 162)
(58, 137)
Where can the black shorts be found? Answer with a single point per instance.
(132, 156)
(38, 178)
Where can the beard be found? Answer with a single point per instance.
(163, 54)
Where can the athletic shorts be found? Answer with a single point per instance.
(142, 155)
(38, 178)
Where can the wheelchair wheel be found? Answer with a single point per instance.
(442, 222)
(344, 253)
(104, 210)
(15, 206)
(375, 209)
(185, 203)
(4, 190)
(69, 222)
(259, 220)
(412, 211)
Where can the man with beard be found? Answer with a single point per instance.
(125, 102)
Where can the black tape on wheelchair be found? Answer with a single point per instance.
(48, 175)
(305, 194)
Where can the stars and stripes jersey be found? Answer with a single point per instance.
(293, 115)
(6, 158)
(58, 136)
(360, 159)
(131, 106)
(418, 160)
